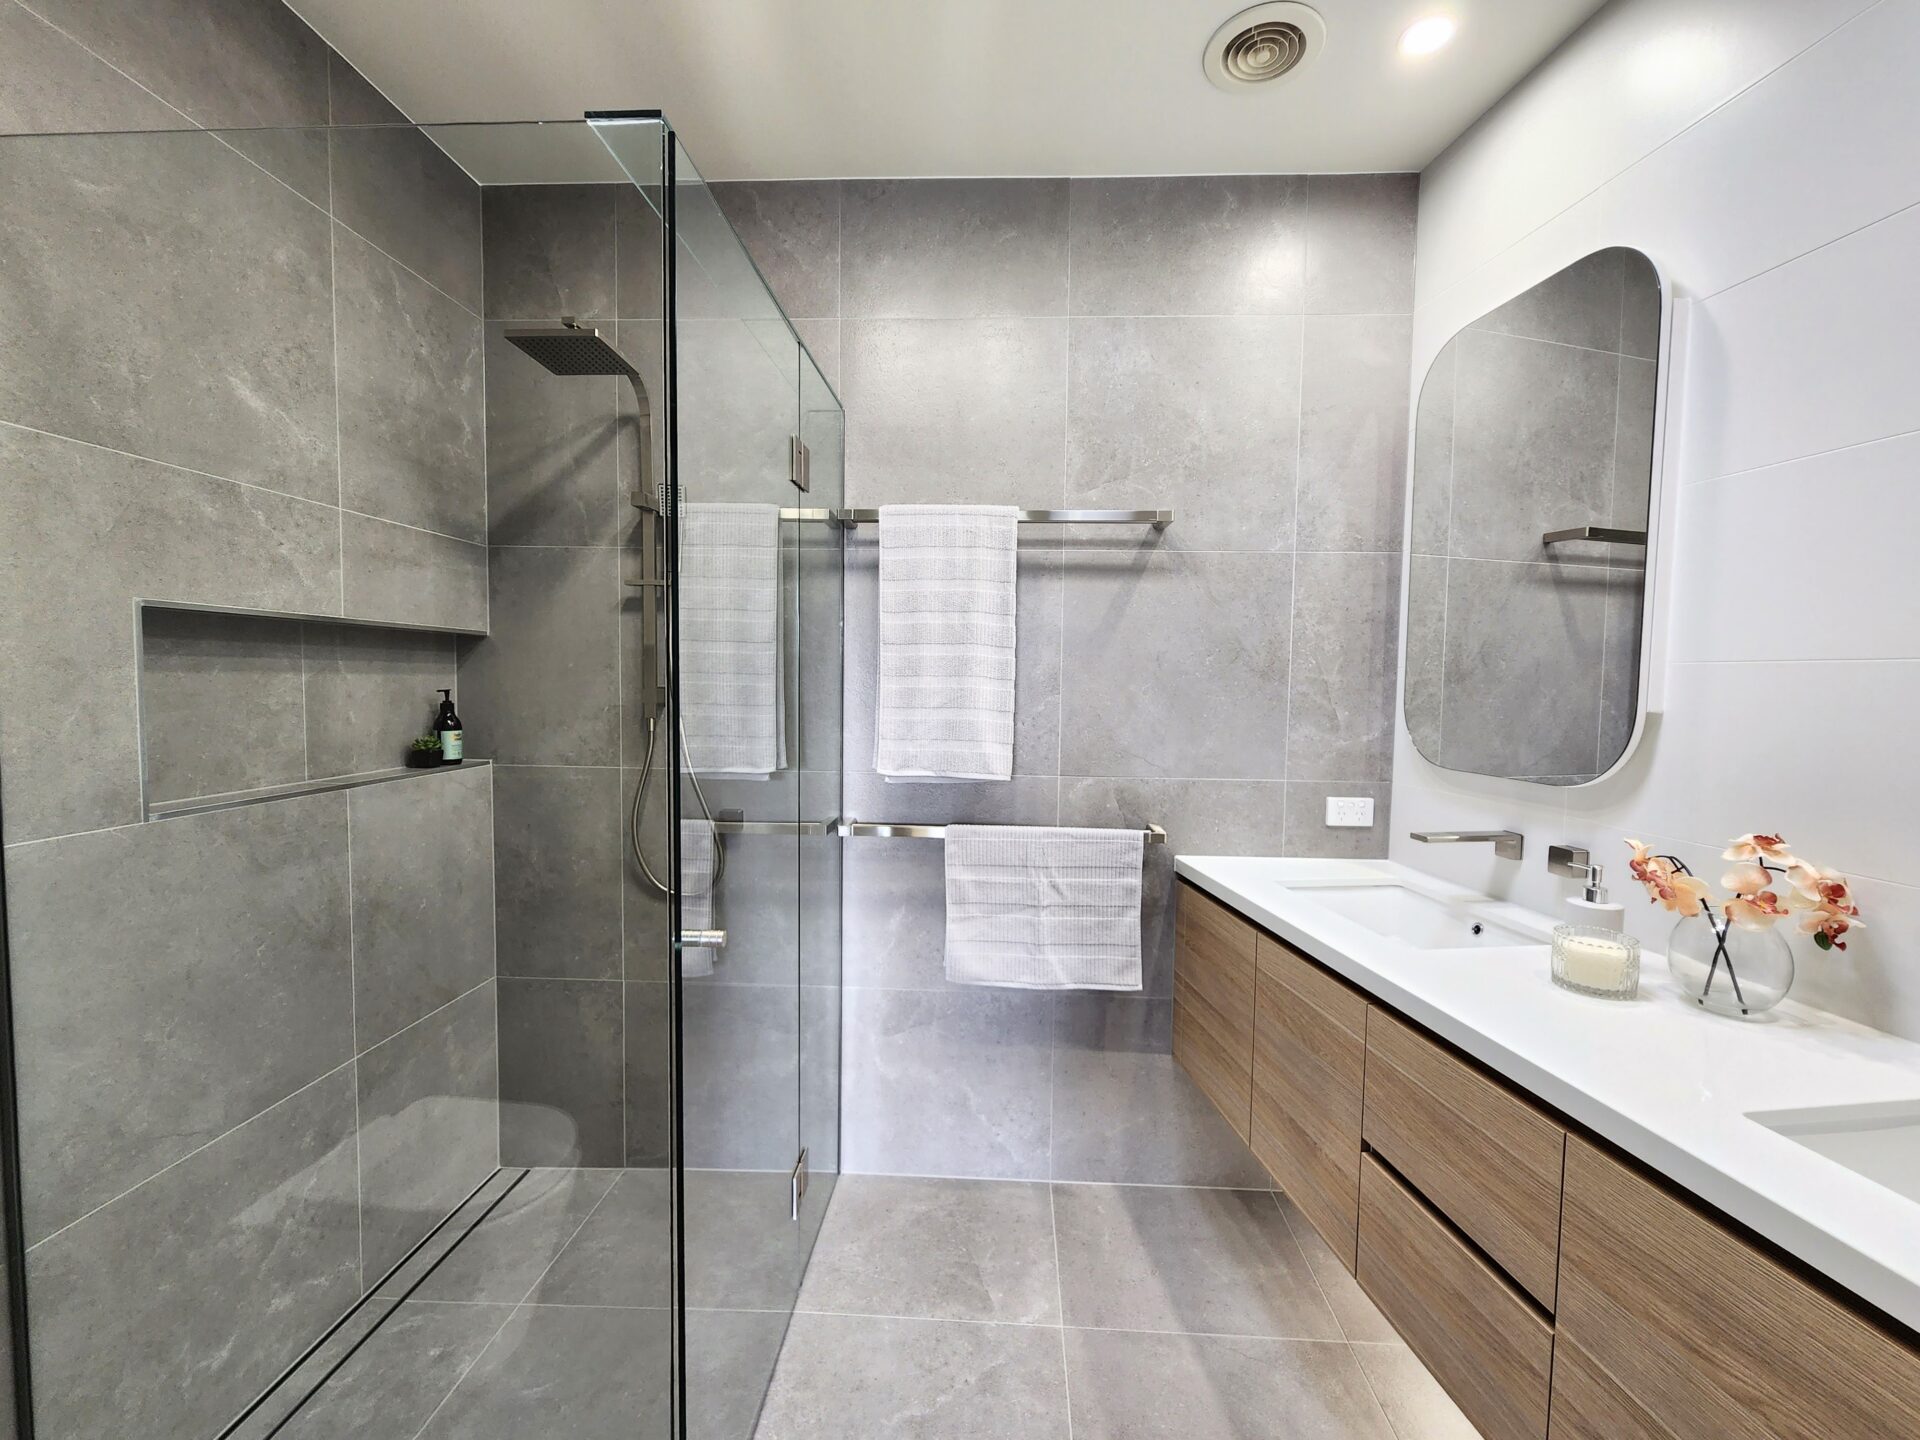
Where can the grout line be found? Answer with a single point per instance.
(416, 1023)
(333, 303)
(1060, 1298)
(353, 1021)
(164, 464)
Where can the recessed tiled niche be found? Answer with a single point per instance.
(237, 705)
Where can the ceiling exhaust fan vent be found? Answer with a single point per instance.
(1263, 44)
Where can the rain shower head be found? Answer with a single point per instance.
(570, 349)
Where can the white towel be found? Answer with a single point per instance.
(1043, 909)
(944, 698)
(732, 697)
(699, 857)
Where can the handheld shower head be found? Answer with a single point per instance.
(572, 349)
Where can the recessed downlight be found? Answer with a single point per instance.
(1262, 45)
(1423, 37)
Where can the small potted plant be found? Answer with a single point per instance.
(1726, 955)
(424, 753)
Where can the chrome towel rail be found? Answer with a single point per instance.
(847, 519)
(1154, 834)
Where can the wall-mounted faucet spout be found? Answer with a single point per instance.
(1507, 844)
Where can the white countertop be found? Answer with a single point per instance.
(1665, 1081)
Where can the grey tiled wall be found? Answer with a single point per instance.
(1235, 347)
(256, 1047)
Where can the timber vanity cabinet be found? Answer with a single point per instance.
(1556, 1290)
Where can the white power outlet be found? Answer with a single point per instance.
(1350, 811)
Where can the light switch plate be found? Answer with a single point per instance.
(1350, 811)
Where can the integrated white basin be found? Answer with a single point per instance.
(1880, 1141)
(1398, 912)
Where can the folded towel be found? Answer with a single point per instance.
(944, 697)
(699, 857)
(732, 699)
(1043, 909)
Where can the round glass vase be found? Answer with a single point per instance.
(1732, 971)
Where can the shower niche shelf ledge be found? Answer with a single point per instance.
(244, 706)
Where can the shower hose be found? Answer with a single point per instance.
(639, 805)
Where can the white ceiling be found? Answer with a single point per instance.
(784, 89)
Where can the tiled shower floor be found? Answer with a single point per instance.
(933, 1309)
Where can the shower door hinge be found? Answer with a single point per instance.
(799, 461)
(799, 1186)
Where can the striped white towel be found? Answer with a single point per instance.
(732, 700)
(1044, 909)
(944, 698)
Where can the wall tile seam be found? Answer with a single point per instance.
(465, 308)
(348, 1065)
(1841, 238)
(1732, 98)
(417, 529)
(1689, 481)
(86, 50)
(414, 1024)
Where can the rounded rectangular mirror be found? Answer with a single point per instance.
(1532, 476)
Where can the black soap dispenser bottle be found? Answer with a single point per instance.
(447, 726)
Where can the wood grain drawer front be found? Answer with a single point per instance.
(1213, 973)
(1490, 1349)
(1710, 1336)
(1488, 1158)
(1309, 1061)
(1588, 1405)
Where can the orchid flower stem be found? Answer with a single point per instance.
(1721, 929)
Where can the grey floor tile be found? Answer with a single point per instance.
(1415, 1404)
(731, 1356)
(1360, 1319)
(1143, 1387)
(407, 1367)
(925, 1379)
(1219, 1262)
(508, 1252)
(623, 1254)
(936, 1249)
(1113, 1065)
(563, 1371)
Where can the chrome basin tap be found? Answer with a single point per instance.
(1507, 844)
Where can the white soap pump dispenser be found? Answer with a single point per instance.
(1592, 907)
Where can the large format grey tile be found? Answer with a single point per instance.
(1425, 648)
(1176, 664)
(1345, 656)
(943, 408)
(66, 641)
(742, 1250)
(640, 275)
(1353, 432)
(1432, 465)
(549, 250)
(553, 464)
(1532, 443)
(561, 1072)
(1112, 1067)
(422, 896)
(953, 248)
(223, 62)
(1210, 1387)
(557, 1370)
(740, 1062)
(1523, 644)
(394, 186)
(412, 577)
(1579, 305)
(1411, 1397)
(1359, 247)
(937, 1249)
(503, 1257)
(557, 871)
(392, 1383)
(55, 86)
(176, 307)
(1188, 245)
(791, 228)
(129, 1338)
(1217, 1262)
(649, 1072)
(1360, 1319)
(1199, 412)
(221, 704)
(208, 979)
(412, 396)
(1633, 443)
(731, 1356)
(1308, 833)
(623, 1254)
(429, 1126)
(543, 687)
(355, 100)
(947, 1083)
(370, 692)
(930, 1379)
(737, 404)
